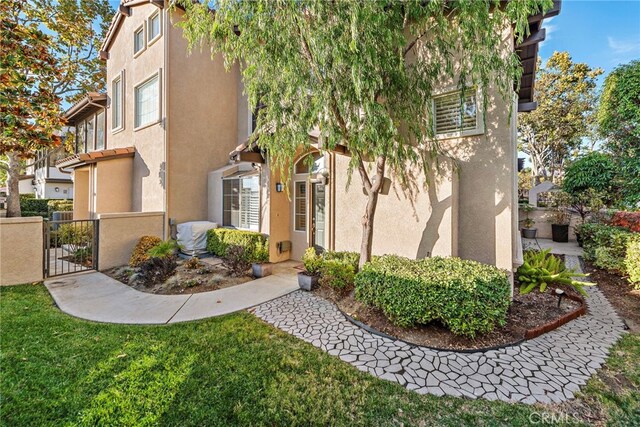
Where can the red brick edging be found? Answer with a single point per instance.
(580, 311)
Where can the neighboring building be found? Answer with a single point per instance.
(169, 118)
(43, 179)
(176, 127)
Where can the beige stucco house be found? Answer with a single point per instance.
(176, 128)
(167, 119)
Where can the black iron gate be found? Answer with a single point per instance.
(70, 246)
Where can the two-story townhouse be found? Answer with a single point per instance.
(176, 128)
(169, 117)
(471, 212)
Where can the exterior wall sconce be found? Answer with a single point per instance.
(57, 189)
(279, 187)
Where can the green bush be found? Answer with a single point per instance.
(59, 205)
(30, 204)
(337, 274)
(606, 245)
(76, 236)
(312, 261)
(345, 257)
(32, 213)
(468, 297)
(541, 269)
(256, 245)
(632, 261)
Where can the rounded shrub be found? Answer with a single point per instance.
(140, 252)
(468, 297)
(256, 245)
(337, 275)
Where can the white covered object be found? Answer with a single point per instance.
(192, 236)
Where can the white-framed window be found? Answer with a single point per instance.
(241, 202)
(90, 126)
(100, 130)
(457, 114)
(147, 102)
(154, 27)
(139, 42)
(117, 103)
(81, 138)
(300, 205)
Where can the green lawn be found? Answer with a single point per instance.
(233, 370)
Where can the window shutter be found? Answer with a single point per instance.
(453, 114)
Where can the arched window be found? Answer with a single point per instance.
(302, 165)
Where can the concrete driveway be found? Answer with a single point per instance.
(98, 297)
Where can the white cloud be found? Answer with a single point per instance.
(621, 47)
(550, 29)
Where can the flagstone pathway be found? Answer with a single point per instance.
(550, 368)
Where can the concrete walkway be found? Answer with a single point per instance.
(560, 248)
(549, 368)
(98, 297)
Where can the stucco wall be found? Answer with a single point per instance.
(113, 185)
(202, 106)
(81, 188)
(20, 250)
(415, 223)
(148, 181)
(542, 218)
(119, 233)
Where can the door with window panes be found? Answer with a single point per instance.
(309, 224)
(241, 202)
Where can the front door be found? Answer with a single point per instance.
(318, 217)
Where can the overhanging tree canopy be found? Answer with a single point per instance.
(361, 72)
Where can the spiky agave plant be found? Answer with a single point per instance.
(541, 269)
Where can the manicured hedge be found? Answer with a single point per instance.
(256, 245)
(468, 297)
(30, 204)
(606, 245)
(60, 205)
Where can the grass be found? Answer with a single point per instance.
(232, 370)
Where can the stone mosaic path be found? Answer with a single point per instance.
(550, 368)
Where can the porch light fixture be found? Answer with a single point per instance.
(57, 189)
(279, 187)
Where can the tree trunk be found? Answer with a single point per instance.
(367, 228)
(372, 190)
(13, 186)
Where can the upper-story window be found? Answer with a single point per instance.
(139, 42)
(100, 130)
(90, 133)
(456, 114)
(117, 103)
(154, 27)
(147, 102)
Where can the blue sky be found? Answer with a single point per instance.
(601, 33)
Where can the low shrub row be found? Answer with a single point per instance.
(606, 245)
(468, 297)
(256, 245)
(30, 206)
(337, 269)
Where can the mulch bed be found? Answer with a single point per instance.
(209, 276)
(527, 312)
(620, 294)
